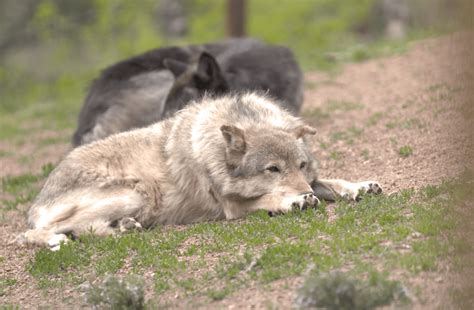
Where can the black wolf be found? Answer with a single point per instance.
(149, 87)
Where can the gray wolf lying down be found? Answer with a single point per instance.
(216, 159)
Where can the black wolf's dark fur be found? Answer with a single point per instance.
(149, 87)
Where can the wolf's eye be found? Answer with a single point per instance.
(303, 164)
(273, 169)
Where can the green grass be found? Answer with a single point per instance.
(349, 135)
(365, 154)
(374, 118)
(405, 151)
(344, 106)
(260, 250)
(9, 307)
(411, 123)
(5, 283)
(22, 188)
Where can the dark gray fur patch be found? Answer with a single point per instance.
(246, 65)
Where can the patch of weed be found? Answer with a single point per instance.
(345, 106)
(405, 151)
(349, 135)
(4, 153)
(391, 125)
(5, 283)
(412, 123)
(316, 115)
(323, 145)
(337, 290)
(365, 154)
(53, 140)
(9, 307)
(335, 155)
(374, 118)
(117, 293)
(219, 294)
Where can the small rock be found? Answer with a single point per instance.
(84, 287)
(404, 246)
(416, 235)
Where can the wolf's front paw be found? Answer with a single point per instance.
(361, 188)
(300, 202)
(304, 202)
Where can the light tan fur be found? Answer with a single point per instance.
(217, 159)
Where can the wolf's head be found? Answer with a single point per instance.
(192, 81)
(267, 161)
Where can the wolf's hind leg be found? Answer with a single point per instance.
(335, 188)
(101, 210)
(95, 211)
(129, 224)
(45, 237)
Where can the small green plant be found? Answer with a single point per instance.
(335, 155)
(337, 290)
(405, 151)
(9, 307)
(345, 106)
(116, 293)
(5, 283)
(316, 114)
(348, 136)
(374, 118)
(365, 153)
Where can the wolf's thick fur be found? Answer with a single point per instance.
(218, 159)
(136, 92)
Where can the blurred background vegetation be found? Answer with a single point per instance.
(50, 50)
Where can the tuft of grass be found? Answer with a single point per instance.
(337, 290)
(317, 115)
(374, 118)
(4, 153)
(405, 151)
(339, 105)
(335, 155)
(349, 135)
(5, 283)
(117, 293)
(9, 307)
(365, 154)
(412, 123)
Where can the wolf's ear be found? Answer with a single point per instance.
(235, 138)
(208, 69)
(303, 130)
(175, 66)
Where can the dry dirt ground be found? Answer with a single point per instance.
(365, 113)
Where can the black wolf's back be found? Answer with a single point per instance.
(132, 93)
